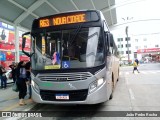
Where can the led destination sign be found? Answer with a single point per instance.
(67, 19)
(44, 23)
(63, 20)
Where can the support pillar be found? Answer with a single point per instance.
(16, 44)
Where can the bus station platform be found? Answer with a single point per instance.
(9, 100)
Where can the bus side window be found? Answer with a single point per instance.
(107, 37)
(112, 45)
(107, 44)
(116, 52)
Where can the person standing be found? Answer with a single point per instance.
(21, 82)
(135, 66)
(13, 72)
(28, 75)
(3, 77)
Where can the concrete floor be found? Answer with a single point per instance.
(133, 92)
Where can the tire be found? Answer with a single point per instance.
(111, 96)
(118, 76)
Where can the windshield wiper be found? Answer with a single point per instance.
(76, 33)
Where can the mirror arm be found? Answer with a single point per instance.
(23, 44)
(26, 53)
(26, 34)
(31, 54)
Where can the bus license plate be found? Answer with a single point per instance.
(62, 96)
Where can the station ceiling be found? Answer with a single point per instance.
(23, 12)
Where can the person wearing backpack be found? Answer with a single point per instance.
(28, 74)
(137, 61)
(135, 65)
(21, 82)
(13, 72)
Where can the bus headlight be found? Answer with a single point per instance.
(94, 85)
(35, 86)
(100, 81)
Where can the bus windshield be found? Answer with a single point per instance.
(66, 49)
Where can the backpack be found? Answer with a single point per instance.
(22, 73)
(137, 61)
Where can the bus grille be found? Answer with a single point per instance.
(75, 95)
(64, 76)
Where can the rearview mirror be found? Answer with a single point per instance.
(111, 40)
(23, 42)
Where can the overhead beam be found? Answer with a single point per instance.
(110, 12)
(10, 23)
(53, 7)
(29, 10)
(74, 4)
(93, 4)
(23, 8)
(7, 22)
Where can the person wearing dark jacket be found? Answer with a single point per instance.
(3, 77)
(28, 74)
(21, 81)
(13, 72)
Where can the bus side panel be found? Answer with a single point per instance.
(109, 75)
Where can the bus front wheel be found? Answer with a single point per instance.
(111, 96)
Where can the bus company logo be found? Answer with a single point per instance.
(62, 79)
(71, 86)
(6, 114)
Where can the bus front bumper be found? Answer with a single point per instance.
(98, 96)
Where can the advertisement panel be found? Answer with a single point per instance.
(148, 50)
(7, 45)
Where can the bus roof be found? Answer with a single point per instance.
(66, 18)
(70, 12)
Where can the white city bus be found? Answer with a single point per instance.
(74, 58)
